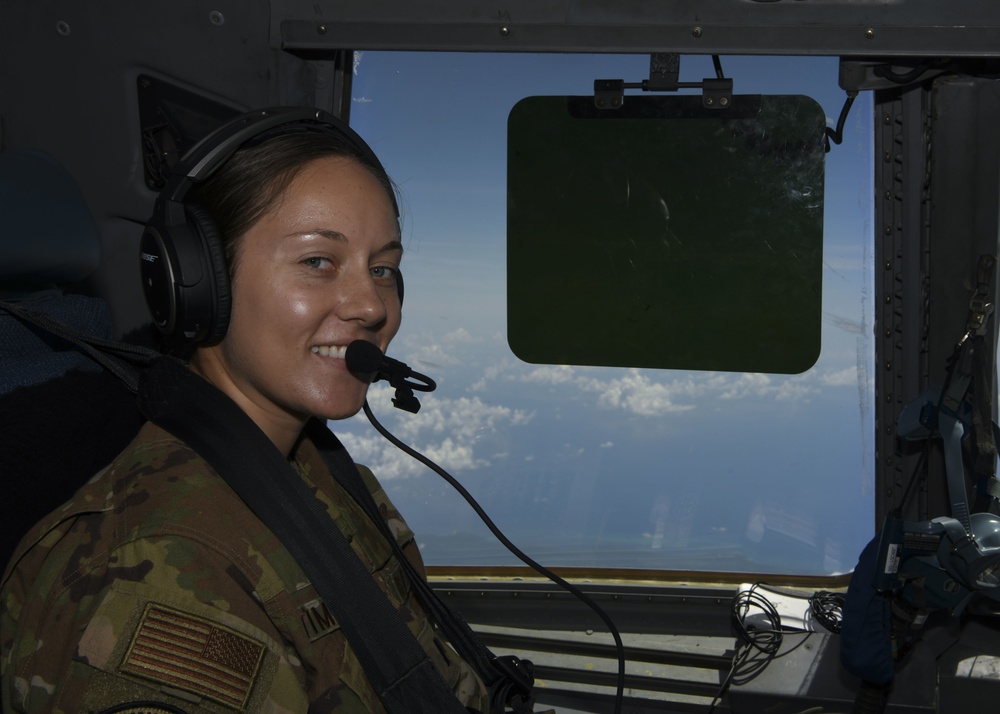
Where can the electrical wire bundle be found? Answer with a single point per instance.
(760, 634)
(828, 609)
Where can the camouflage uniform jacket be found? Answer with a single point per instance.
(155, 584)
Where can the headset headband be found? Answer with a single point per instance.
(202, 160)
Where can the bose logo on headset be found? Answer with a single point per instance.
(184, 274)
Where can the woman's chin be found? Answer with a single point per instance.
(342, 409)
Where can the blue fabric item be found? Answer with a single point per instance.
(47, 234)
(866, 629)
(48, 239)
(29, 355)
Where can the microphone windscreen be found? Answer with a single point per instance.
(363, 356)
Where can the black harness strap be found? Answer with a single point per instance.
(404, 678)
(509, 678)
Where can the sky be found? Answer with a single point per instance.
(597, 466)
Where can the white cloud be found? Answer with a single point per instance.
(794, 390)
(646, 393)
(447, 431)
(654, 393)
(746, 385)
(550, 374)
(491, 373)
(433, 356)
(383, 458)
(446, 351)
(843, 378)
(637, 394)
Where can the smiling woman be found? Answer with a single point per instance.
(315, 273)
(166, 582)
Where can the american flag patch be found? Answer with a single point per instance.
(194, 654)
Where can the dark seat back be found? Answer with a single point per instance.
(48, 240)
(62, 417)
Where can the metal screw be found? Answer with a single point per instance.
(697, 32)
(217, 18)
(62, 27)
(505, 30)
(869, 34)
(616, 102)
(709, 101)
(724, 101)
(321, 29)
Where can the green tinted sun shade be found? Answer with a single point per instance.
(666, 235)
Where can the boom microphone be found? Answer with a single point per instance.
(363, 356)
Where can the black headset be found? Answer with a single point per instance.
(185, 277)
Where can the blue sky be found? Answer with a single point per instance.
(598, 466)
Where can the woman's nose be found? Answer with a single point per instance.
(359, 298)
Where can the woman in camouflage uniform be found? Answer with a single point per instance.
(155, 588)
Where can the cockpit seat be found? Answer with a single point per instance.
(62, 417)
(48, 240)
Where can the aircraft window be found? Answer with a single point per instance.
(608, 467)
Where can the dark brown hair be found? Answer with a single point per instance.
(252, 182)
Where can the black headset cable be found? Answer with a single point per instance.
(527, 560)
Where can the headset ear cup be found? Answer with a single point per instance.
(215, 257)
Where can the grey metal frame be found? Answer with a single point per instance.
(937, 178)
(805, 27)
(901, 245)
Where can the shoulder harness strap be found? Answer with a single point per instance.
(403, 676)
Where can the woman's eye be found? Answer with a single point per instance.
(316, 262)
(383, 272)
